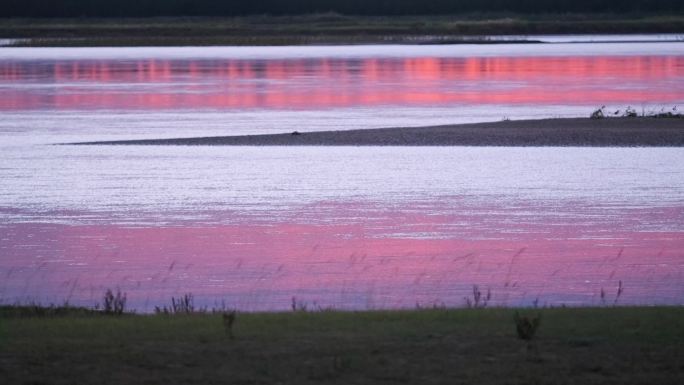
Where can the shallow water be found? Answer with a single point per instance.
(63, 94)
(345, 227)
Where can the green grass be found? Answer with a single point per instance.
(622, 345)
(321, 29)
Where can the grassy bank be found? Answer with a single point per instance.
(573, 346)
(321, 29)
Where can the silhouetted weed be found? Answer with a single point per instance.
(298, 305)
(619, 292)
(478, 300)
(526, 327)
(114, 304)
(228, 321)
(180, 305)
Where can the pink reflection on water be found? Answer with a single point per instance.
(395, 261)
(327, 83)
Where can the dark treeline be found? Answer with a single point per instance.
(147, 8)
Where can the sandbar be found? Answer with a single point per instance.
(583, 132)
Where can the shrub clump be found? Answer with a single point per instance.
(526, 327)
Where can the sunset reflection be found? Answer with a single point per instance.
(329, 83)
(260, 265)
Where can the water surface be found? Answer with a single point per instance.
(345, 227)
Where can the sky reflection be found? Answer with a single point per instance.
(337, 82)
(351, 228)
(352, 264)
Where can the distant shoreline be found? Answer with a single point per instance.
(323, 29)
(569, 132)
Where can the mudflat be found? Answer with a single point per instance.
(608, 132)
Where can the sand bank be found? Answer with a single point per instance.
(616, 132)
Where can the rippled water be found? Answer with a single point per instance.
(344, 227)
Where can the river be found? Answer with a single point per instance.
(334, 227)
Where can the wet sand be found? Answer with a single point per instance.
(609, 132)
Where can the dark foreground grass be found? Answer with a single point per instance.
(327, 28)
(469, 346)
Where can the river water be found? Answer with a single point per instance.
(341, 227)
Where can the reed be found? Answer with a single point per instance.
(114, 303)
(184, 304)
(478, 300)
